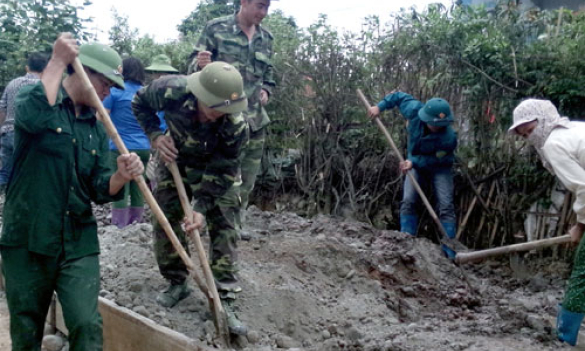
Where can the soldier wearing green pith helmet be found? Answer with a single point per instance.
(160, 66)
(242, 41)
(49, 237)
(206, 133)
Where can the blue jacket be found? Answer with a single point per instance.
(426, 150)
(119, 102)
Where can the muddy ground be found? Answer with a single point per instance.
(325, 284)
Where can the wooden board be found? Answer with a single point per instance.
(125, 330)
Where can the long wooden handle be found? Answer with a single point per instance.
(465, 257)
(409, 173)
(196, 238)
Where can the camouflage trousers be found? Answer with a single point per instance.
(220, 225)
(236, 198)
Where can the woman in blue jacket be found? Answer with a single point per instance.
(119, 103)
(431, 146)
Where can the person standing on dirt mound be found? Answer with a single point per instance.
(241, 41)
(206, 133)
(560, 144)
(49, 237)
(431, 146)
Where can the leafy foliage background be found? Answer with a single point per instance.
(324, 155)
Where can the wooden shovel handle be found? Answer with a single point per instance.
(219, 312)
(464, 257)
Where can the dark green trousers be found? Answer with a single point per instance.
(31, 280)
(575, 294)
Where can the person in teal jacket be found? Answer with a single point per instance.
(431, 146)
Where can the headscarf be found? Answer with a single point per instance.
(548, 119)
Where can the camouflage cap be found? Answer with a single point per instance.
(436, 112)
(161, 63)
(102, 59)
(219, 86)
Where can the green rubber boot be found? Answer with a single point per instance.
(173, 294)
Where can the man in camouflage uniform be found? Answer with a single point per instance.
(206, 132)
(240, 40)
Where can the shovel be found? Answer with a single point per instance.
(450, 246)
(196, 239)
(464, 257)
(218, 313)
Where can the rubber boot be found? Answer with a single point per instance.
(451, 230)
(120, 217)
(173, 294)
(409, 224)
(235, 326)
(568, 324)
(135, 215)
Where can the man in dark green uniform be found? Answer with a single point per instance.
(206, 132)
(49, 238)
(241, 41)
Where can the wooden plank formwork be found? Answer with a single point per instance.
(125, 330)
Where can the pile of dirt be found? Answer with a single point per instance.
(330, 284)
(326, 284)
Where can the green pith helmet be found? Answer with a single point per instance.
(161, 63)
(220, 87)
(102, 59)
(436, 112)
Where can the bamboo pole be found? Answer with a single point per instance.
(468, 213)
(148, 197)
(494, 229)
(482, 221)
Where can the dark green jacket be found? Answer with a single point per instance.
(226, 41)
(60, 166)
(426, 150)
(213, 148)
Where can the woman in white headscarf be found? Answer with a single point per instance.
(560, 143)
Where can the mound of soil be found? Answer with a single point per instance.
(329, 284)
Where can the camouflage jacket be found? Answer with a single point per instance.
(213, 148)
(227, 42)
